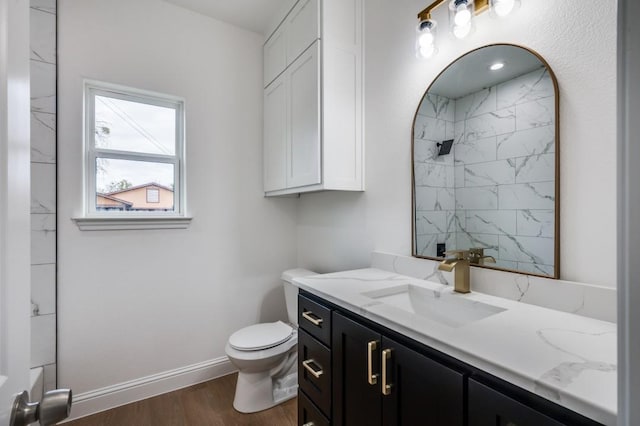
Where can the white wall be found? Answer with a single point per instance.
(338, 231)
(136, 303)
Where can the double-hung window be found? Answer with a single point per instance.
(134, 153)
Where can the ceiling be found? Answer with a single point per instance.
(253, 15)
(471, 73)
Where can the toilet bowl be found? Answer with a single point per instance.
(266, 356)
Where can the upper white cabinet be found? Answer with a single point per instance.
(313, 99)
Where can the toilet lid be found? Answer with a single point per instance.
(260, 336)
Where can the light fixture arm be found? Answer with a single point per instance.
(481, 6)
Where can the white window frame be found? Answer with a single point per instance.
(94, 219)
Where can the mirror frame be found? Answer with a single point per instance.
(556, 266)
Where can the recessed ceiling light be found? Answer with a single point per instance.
(496, 66)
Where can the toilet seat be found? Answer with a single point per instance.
(261, 336)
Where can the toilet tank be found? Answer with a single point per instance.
(291, 291)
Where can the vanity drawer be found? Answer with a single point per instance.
(315, 319)
(314, 371)
(308, 414)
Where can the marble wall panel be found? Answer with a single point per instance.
(43, 137)
(538, 140)
(43, 87)
(43, 36)
(500, 172)
(428, 198)
(430, 128)
(536, 223)
(43, 289)
(537, 195)
(478, 198)
(536, 113)
(436, 106)
(536, 168)
(537, 250)
(478, 151)
(528, 87)
(475, 104)
(43, 188)
(500, 222)
(431, 222)
(43, 340)
(430, 174)
(492, 124)
(44, 5)
(43, 239)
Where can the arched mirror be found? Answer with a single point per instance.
(485, 162)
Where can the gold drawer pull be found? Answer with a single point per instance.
(308, 316)
(307, 365)
(386, 387)
(371, 378)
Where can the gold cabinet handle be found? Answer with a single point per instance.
(371, 378)
(307, 365)
(308, 316)
(386, 387)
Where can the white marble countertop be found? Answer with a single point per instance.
(563, 357)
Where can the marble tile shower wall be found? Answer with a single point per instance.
(435, 202)
(504, 159)
(43, 188)
(496, 189)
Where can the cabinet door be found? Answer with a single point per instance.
(302, 26)
(355, 400)
(304, 102)
(488, 407)
(421, 391)
(275, 55)
(275, 135)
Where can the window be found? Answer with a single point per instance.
(134, 144)
(153, 195)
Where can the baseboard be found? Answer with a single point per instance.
(119, 394)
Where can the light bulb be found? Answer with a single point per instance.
(462, 16)
(427, 51)
(425, 39)
(503, 7)
(462, 31)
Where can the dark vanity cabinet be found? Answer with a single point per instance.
(378, 381)
(354, 372)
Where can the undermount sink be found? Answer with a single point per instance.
(446, 308)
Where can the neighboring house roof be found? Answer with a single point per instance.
(117, 200)
(144, 185)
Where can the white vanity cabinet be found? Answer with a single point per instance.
(313, 99)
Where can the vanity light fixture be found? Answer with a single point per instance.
(425, 38)
(497, 66)
(460, 17)
(461, 13)
(502, 8)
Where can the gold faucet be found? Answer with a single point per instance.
(460, 262)
(477, 257)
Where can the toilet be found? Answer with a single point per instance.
(266, 356)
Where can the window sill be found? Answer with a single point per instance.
(130, 223)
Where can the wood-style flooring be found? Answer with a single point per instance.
(205, 404)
